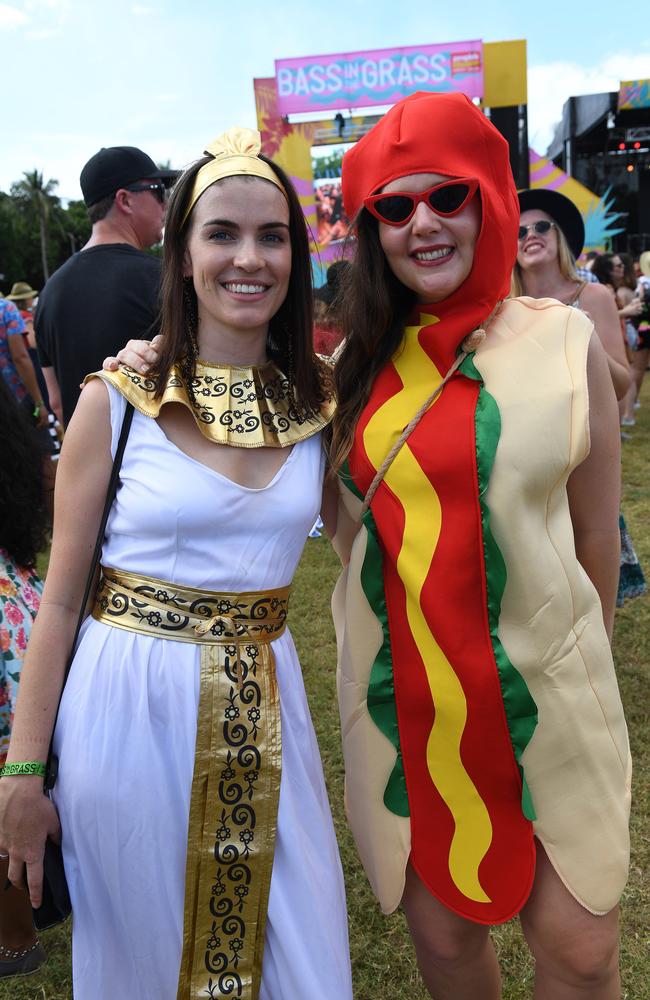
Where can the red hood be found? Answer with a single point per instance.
(446, 134)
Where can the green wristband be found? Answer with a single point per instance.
(23, 767)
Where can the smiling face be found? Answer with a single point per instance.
(238, 255)
(431, 255)
(536, 248)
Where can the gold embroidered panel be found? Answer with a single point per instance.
(237, 768)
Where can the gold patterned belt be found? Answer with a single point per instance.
(237, 767)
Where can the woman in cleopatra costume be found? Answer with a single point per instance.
(197, 836)
(487, 762)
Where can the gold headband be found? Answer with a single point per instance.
(235, 152)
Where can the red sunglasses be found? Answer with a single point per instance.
(446, 199)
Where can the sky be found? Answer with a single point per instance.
(169, 76)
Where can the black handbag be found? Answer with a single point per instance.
(55, 906)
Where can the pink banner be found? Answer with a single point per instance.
(381, 76)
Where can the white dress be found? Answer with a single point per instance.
(126, 735)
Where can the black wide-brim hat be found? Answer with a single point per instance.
(561, 209)
(325, 293)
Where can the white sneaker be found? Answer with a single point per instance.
(315, 532)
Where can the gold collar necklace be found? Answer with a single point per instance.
(245, 406)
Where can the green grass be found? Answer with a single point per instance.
(382, 955)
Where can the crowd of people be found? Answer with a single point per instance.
(453, 443)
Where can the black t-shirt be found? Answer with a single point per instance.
(90, 307)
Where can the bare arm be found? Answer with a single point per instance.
(54, 393)
(141, 355)
(594, 488)
(30, 336)
(26, 815)
(25, 368)
(329, 505)
(629, 304)
(599, 302)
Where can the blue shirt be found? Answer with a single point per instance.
(11, 325)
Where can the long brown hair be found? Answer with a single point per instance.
(603, 269)
(289, 340)
(629, 278)
(374, 309)
(24, 517)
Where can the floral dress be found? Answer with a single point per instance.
(20, 596)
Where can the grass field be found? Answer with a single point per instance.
(382, 956)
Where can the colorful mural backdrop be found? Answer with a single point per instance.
(598, 214)
(333, 224)
(290, 146)
(381, 76)
(634, 94)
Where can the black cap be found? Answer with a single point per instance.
(115, 167)
(561, 209)
(328, 292)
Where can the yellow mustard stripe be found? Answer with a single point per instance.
(423, 522)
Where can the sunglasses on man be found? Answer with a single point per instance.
(541, 228)
(445, 199)
(159, 190)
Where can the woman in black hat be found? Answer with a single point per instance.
(551, 237)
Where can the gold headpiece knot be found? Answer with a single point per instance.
(236, 142)
(235, 153)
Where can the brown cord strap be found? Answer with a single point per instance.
(575, 298)
(469, 344)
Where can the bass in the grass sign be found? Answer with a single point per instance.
(381, 76)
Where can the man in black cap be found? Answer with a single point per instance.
(108, 292)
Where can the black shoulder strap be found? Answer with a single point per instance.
(110, 496)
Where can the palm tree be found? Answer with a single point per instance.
(38, 199)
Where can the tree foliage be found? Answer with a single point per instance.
(36, 198)
(37, 232)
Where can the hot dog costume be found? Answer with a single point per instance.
(479, 703)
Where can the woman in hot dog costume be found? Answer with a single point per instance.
(487, 760)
